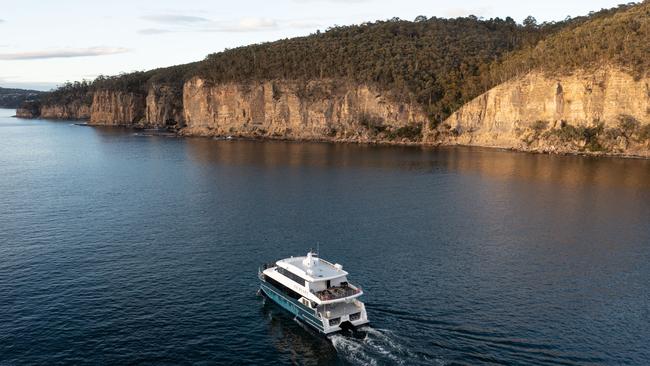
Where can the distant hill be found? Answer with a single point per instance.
(579, 85)
(436, 62)
(584, 89)
(618, 36)
(13, 98)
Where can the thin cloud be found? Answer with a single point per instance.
(63, 53)
(245, 25)
(152, 31)
(2, 20)
(175, 19)
(250, 24)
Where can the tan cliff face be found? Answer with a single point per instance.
(320, 110)
(164, 107)
(117, 108)
(540, 113)
(606, 111)
(74, 110)
(29, 109)
(323, 109)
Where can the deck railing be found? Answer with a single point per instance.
(337, 292)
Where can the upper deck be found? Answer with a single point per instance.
(312, 268)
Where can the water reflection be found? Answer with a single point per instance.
(517, 258)
(564, 170)
(301, 344)
(489, 163)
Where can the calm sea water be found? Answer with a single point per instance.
(122, 248)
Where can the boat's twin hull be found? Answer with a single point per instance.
(302, 312)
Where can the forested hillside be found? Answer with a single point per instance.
(437, 64)
(12, 98)
(619, 36)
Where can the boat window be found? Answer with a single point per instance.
(294, 277)
(287, 291)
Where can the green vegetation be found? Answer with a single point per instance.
(588, 137)
(411, 132)
(539, 126)
(135, 82)
(615, 36)
(595, 138)
(79, 91)
(439, 64)
(372, 124)
(628, 125)
(13, 98)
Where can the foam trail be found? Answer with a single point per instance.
(378, 347)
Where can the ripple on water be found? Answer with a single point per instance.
(119, 249)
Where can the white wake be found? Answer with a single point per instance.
(377, 347)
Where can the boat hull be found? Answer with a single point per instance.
(302, 312)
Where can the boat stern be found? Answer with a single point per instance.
(339, 316)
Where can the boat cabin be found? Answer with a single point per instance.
(321, 281)
(320, 288)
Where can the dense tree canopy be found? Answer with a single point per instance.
(438, 63)
(619, 36)
(435, 62)
(13, 98)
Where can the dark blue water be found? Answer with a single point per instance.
(120, 248)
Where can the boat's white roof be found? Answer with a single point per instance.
(312, 268)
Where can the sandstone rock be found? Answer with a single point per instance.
(29, 109)
(581, 99)
(164, 107)
(524, 113)
(314, 110)
(117, 108)
(75, 110)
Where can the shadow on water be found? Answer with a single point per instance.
(299, 343)
(363, 346)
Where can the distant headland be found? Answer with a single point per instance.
(576, 86)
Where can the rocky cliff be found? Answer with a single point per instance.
(603, 111)
(324, 109)
(75, 110)
(314, 110)
(164, 106)
(29, 109)
(117, 108)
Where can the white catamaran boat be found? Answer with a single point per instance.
(316, 291)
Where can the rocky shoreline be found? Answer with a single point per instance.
(180, 133)
(602, 112)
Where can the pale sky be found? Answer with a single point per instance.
(44, 42)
